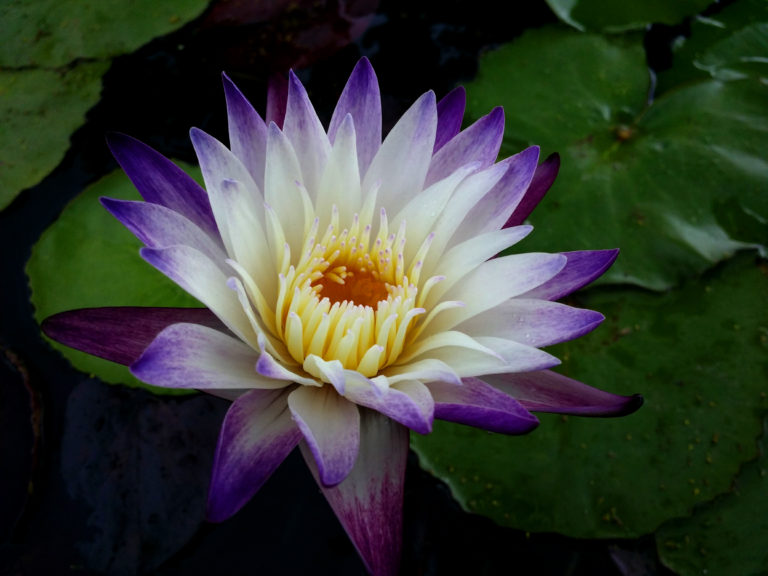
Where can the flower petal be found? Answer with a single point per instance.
(331, 428)
(362, 100)
(340, 183)
(159, 227)
(533, 322)
(305, 132)
(450, 113)
(462, 259)
(277, 98)
(256, 436)
(480, 142)
(408, 402)
(547, 391)
(220, 165)
(282, 190)
(492, 211)
(401, 163)
(475, 403)
(581, 268)
(369, 502)
(247, 131)
(160, 181)
(194, 356)
(120, 334)
(493, 282)
(542, 181)
(203, 279)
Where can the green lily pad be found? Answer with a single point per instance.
(87, 259)
(52, 33)
(699, 356)
(646, 178)
(611, 16)
(729, 44)
(726, 536)
(39, 110)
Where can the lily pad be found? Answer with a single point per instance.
(726, 536)
(643, 176)
(52, 33)
(611, 16)
(697, 354)
(728, 44)
(39, 110)
(88, 259)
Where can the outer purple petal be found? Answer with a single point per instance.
(477, 404)
(402, 161)
(256, 437)
(480, 142)
(450, 113)
(493, 209)
(360, 99)
(247, 131)
(369, 502)
(533, 322)
(547, 391)
(160, 181)
(542, 181)
(277, 98)
(158, 227)
(581, 268)
(331, 427)
(120, 334)
(305, 132)
(408, 402)
(193, 356)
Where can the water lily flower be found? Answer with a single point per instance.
(353, 291)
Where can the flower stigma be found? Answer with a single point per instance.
(351, 297)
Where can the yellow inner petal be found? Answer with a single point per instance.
(348, 297)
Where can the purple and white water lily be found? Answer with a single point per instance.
(353, 291)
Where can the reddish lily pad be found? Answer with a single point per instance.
(88, 259)
(697, 354)
(646, 177)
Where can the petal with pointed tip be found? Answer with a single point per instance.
(547, 391)
(194, 356)
(277, 98)
(581, 268)
(120, 334)
(159, 227)
(477, 404)
(247, 131)
(362, 100)
(331, 428)
(408, 402)
(401, 163)
(203, 279)
(533, 322)
(495, 281)
(369, 502)
(493, 210)
(160, 181)
(256, 436)
(540, 184)
(305, 132)
(480, 142)
(450, 113)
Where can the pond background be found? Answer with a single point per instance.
(106, 479)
